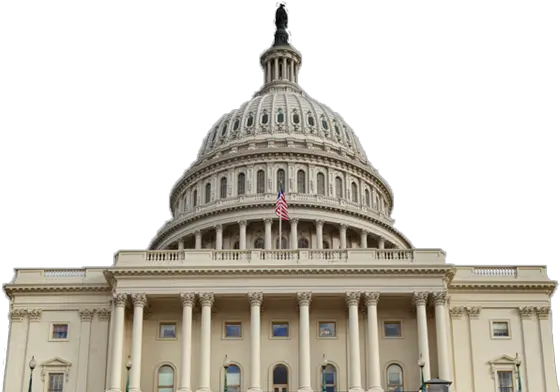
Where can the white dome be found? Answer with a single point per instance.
(278, 114)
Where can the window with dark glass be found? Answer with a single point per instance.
(233, 378)
(60, 331)
(280, 117)
(392, 329)
(232, 329)
(303, 243)
(250, 121)
(264, 118)
(223, 188)
(280, 379)
(224, 129)
(395, 378)
(241, 184)
(354, 192)
(207, 193)
(195, 197)
(166, 379)
(167, 330)
(236, 124)
(310, 121)
(280, 179)
(259, 243)
(320, 184)
(329, 374)
(326, 245)
(284, 243)
(368, 198)
(338, 187)
(260, 181)
(325, 124)
(327, 329)
(280, 329)
(301, 181)
(56, 382)
(236, 245)
(295, 118)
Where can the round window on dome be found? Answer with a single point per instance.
(250, 121)
(264, 118)
(311, 121)
(236, 124)
(295, 118)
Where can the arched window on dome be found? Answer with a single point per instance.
(233, 378)
(295, 118)
(224, 129)
(280, 71)
(223, 188)
(326, 245)
(195, 197)
(395, 378)
(310, 120)
(166, 379)
(284, 243)
(303, 243)
(320, 184)
(241, 184)
(280, 116)
(280, 179)
(367, 197)
(250, 120)
(324, 123)
(236, 124)
(301, 181)
(207, 193)
(338, 187)
(354, 192)
(264, 118)
(259, 243)
(260, 181)
(329, 374)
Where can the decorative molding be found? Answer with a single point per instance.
(17, 314)
(34, 314)
(543, 312)
(304, 298)
(86, 315)
(439, 298)
(353, 298)
(548, 288)
(473, 311)
(206, 299)
(255, 298)
(139, 300)
(188, 299)
(120, 299)
(526, 312)
(55, 365)
(103, 314)
(12, 290)
(420, 298)
(457, 311)
(371, 298)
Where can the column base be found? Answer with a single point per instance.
(203, 389)
(356, 389)
(113, 390)
(134, 389)
(254, 389)
(184, 389)
(375, 389)
(305, 389)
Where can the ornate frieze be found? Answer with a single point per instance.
(371, 298)
(304, 298)
(86, 315)
(255, 298)
(353, 298)
(206, 299)
(420, 298)
(188, 299)
(526, 312)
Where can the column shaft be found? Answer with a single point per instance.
(304, 300)
(268, 233)
(343, 236)
(422, 321)
(118, 338)
(293, 233)
(139, 301)
(319, 233)
(86, 315)
(206, 301)
(355, 377)
(219, 237)
(186, 342)
(255, 300)
(242, 235)
(441, 331)
(364, 239)
(197, 240)
(374, 373)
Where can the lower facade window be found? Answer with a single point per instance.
(166, 379)
(329, 378)
(394, 378)
(280, 379)
(56, 382)
(505, 381)
(233, 378)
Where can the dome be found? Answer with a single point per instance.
(281, 139)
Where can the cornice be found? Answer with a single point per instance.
(11, 290)
(547, 287)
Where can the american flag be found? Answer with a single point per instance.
(281, 205)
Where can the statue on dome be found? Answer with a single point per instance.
(281, 17)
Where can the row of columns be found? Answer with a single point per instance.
(255, 300)
(293, 236)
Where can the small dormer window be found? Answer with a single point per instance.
(224, 129)
(236, 124)
(264, 118)
(310, 120)
(295, 118)
(280, 117)
(250, 120)
(324, 124)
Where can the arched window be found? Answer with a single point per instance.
(166, 379)
(324, 123)
(367, 197)
(284, 243)
(329, 378)
(280, 179)
(326, 245)
(207, 193)
(338, 186)
(260, 181)
(259, 243)
(280, 117)
(223, 188)
(224, 129)
(303, 243)
(301, 181)
(320, 184)
(236, 124)
(195, 197)
(250, 120)
(280, 379)
(233, 378)
(354, 192)
(310, 120)
(241, 184)
(395, 378)
(295, 118)
(264, 118)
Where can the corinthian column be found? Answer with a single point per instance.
(119, 301)
(293, 233)
(206, 301)
(374, 373)
(440, 300)
(355, 377)
(139, 301)
(219, 240)
(319, 233)
(343, 228)
(187, 300)
(242, 235)
(422, 320)
(255, 300)
(304, 300)
(268, 233)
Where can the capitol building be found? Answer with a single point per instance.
(228, 298)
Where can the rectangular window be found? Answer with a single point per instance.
(280, 329)
(56, 382)
(232, 329)
(392, 329)
(327, 329)
(59, 332)
(500, 329)
(505, 381)
(167, 331)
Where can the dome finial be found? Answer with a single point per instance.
(281, 35)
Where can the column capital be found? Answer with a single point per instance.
(440, 298)
(86, 314)
(197, 233)
(139, 300)
(17, 314)
(218, 227)
(353, 298)
(103, 314)
(267, 221)
(242, 223)
(343, 226)
(188, 299)
(420, 298)
(304, 298)
(119, 299)
(319, 222)
(294, 221)
(255, 298)
(34, 314)
(371, 298)
(473, 311)
(457, 311)
(526, 312)
(206, 299)
(365, 232)
(543, 312)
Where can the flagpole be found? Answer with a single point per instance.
(280, 226)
